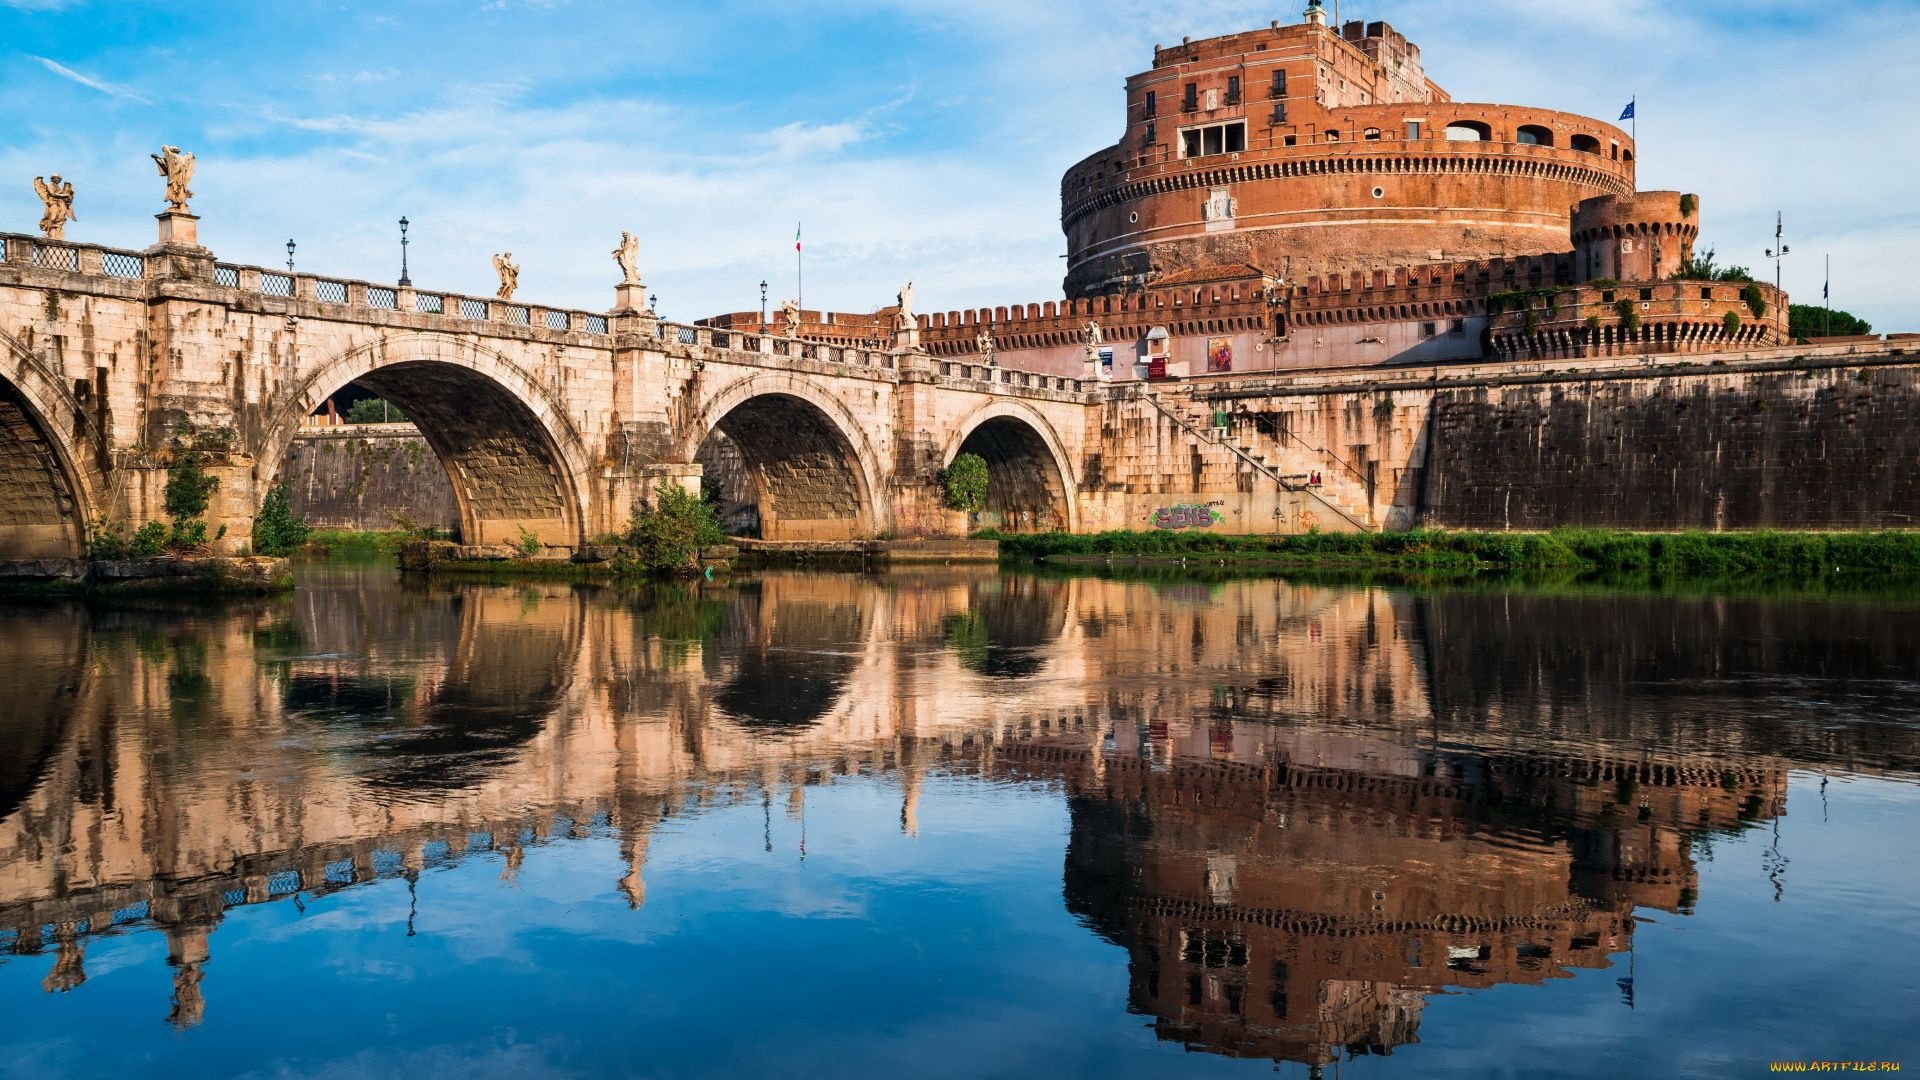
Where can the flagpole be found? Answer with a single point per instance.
(799, 271)
(1826, 300)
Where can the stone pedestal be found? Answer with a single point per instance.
(178, 255)
(178, 229)
(907, 337)
(630, 299)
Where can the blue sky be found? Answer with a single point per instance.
(915, 139)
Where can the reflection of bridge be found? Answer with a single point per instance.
(1291, 856)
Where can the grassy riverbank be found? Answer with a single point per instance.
(1770, 555)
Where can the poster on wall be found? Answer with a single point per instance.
(1106, 363)
(1219, 354)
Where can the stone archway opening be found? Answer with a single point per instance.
(779, 468)
(509, 481)
(41, 516)
(1025, 491)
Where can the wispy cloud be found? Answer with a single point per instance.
(105, 87)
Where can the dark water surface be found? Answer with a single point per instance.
(958, 824)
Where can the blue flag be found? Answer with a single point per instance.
(1627, 114)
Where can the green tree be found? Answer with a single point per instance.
(374, 410)
(1812, 321)
(1703, 266)
(668, 536)
(964, 483)
(275, 530)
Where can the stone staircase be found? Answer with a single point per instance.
(1288, 463)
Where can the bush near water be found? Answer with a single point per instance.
(1687, 554)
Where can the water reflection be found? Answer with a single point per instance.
(1299, 811)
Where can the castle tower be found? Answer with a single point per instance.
(1647, 236)
(1327, 146)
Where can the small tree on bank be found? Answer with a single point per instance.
(275, 530)
(964, 483)
(667, 537)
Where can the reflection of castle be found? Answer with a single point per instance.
(1298, 809)
(1278, 910)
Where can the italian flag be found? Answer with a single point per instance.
(796, 236)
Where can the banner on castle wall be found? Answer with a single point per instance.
(1219, 354)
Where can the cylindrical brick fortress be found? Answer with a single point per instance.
(1301, 150)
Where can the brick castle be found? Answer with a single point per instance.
(1303, 196)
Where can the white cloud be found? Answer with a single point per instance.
(101, 85)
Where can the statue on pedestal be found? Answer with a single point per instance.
(790, 315)
(177, 168)
(1095, 339)
(983, 341)
(627, 255)
(906, 326)
(509, 275)
(57, 198)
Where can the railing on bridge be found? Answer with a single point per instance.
(40, 254)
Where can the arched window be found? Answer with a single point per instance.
(1586, 144)
(1468, 131)
(1626, 155)
(1534, 135)
(1373, 135)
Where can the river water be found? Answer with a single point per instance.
(956, 824)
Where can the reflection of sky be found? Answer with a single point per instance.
(950, 954)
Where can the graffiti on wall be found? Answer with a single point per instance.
(1187, 516)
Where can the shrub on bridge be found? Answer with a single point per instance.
(667, 537)
(275, 530)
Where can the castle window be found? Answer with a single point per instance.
(1332, 135)
(1152, 100)
(1214, 139)
(1586, 144)
(1279, 89)
(1706, 294)
(1291, 140)
(1233, 89)
(1456, 328)
(1279, 114)
(1373, 135)
(1468, 131)
(1534, 135)
(1428, 329)
(1190, 99)
(1413, 131)
(1148, 135)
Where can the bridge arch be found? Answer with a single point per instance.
(809, 464)
(1031, 483)
(49, 485)
(514, 459)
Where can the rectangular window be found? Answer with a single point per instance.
(1152, 100)
(1233, 89)
(1279, 83)
(1428, 329)
(1190, 100)
(1148, 135)
(1230, 138)
(1457, 328)
(1291, 140)
(1279, 114)
(1413, 130)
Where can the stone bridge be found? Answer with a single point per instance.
(558, 423)
(551, 421)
